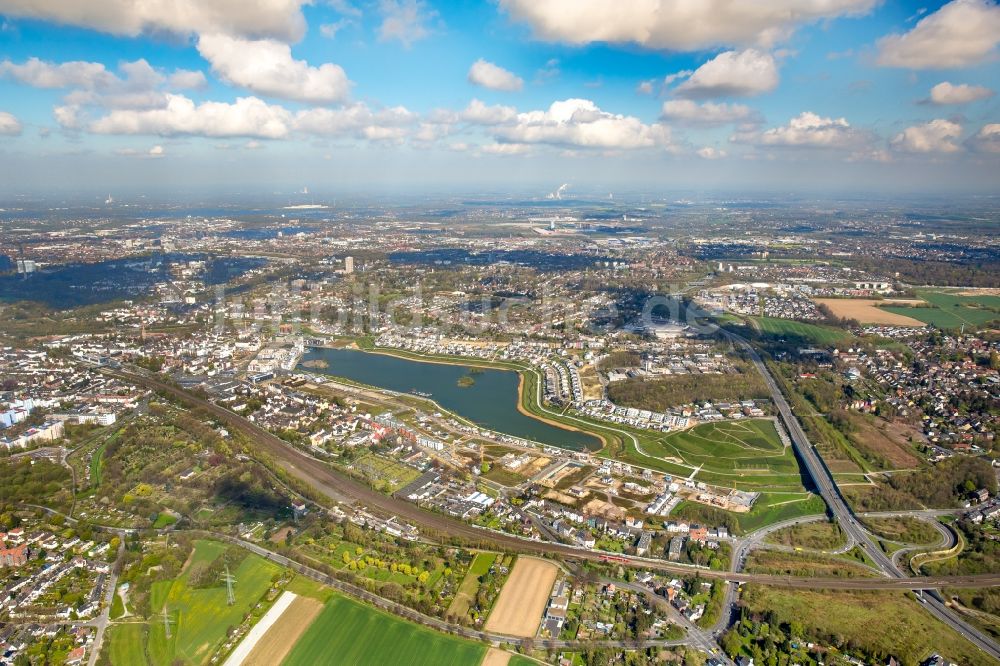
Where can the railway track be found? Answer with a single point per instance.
(342, 488)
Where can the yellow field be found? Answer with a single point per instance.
(275, 645)
(522, 600)
(864, 310)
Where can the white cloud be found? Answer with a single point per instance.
(136, 85)
(808, 130)
(505, 149)
(683, 74)
(732, 73)
(246, 117)
(988, 138)
(710, 153)
(963, 93)
(280, 19)
(188, 79)
(486, 74)
(9, 124)
(404, 20)
(68, 116)
(644, 88)
(157, 151)
(478, 113)
(76, 74)
(936, 136)
(687, 112)
(676, 24)
(961, 33)
(330, 30)
(266, 67)
(358, 121)
(579, 123)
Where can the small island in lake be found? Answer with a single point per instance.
(317, 364)
(466, 381)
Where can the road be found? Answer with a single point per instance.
(335, 485)
(823, 481)
(101, 621)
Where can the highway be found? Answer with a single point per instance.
(335, 485)
(828, 490)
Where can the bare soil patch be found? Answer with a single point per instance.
(866, 311)
(495, 657)
(275, 645)
(518, 610)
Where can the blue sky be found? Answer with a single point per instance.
(341, 95)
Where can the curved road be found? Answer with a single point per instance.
(335, 485)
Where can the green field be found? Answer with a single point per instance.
(393, 474)
(97, 466)
(750, 446)
(349, 632)
(470, 584)
(953, 311)
(125, 644)
(905, 630)
(811, 333)
(201, 617)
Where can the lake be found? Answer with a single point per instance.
(490, 401)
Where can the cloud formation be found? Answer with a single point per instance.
(76, 74)
(266, 67)
(278, 19)
(405, 21)
(936, 136)
(687, 112)
(676, 24)
(246, 117)
(732, 74)
(808, 130)
(960, 34)
(486, 74)
(9, 124)
(947, 93)
(579, 123)
(987, 139)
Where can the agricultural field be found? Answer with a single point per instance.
(869, 311)
(199, 616)
(953, 309)
(349, 632)
(126, 643)
(270, 641)
(518, 610)
(810, 333)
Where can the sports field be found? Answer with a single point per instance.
(807, 333)
(952, 310)
(349, 632)
(201, 617)
(518, 610)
